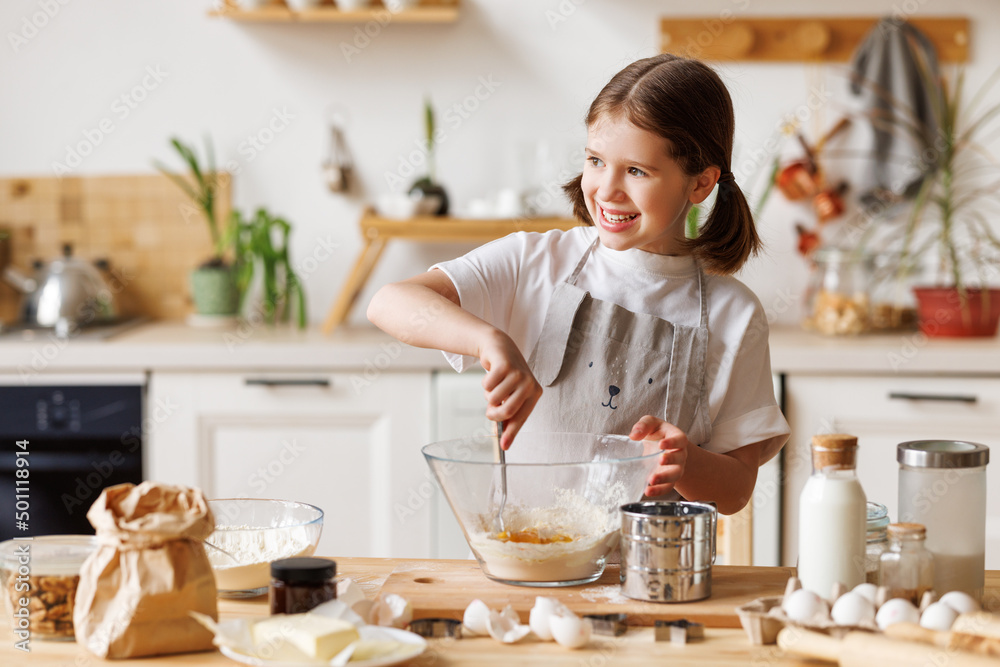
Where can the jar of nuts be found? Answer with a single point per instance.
(837, 300)
(39, 577)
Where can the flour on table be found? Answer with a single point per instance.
(611, 593)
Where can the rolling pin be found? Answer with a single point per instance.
(976, 633)
(865, 649)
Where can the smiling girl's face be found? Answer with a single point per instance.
(637, 195)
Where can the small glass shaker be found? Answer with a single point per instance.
(299, 584)
(876, 540)
(907, 568)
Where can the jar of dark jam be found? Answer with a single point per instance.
(299, 584)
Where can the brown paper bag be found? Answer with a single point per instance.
(149, 571)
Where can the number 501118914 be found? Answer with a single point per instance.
(21, 490)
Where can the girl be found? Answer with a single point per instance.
(624, 325)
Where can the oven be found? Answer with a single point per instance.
(64, 441)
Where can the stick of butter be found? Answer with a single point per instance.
(317, 637)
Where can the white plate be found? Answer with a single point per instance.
(366, 632)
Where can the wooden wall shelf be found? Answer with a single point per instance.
(806, 39)
(428, 11)
(377, 231)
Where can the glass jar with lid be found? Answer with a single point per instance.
(876, 540)
(893, 304)
(837, 302)
(299, 584)
(942, 485)
(39, 578)
(907, 568)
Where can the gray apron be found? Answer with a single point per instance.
(604, 367)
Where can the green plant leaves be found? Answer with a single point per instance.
(261, 247)
(203, 189)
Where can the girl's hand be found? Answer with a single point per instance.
(674, 443)
(511, 388)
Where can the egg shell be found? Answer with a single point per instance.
(867, 590)
(543, 611)
(804, 606)
(938, 616)
(852, 608)
(961, 602)
(505, 626)
(391, 610)
(476, 618)
(896, 610)
(570, 630)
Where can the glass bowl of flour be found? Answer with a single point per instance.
(252, 532)
(561, 515)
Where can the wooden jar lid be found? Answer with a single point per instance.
(834, 449)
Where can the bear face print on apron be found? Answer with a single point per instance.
(603, 367)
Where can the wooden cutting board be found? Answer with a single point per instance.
(444, 588)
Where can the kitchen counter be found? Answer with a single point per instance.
(175, 346)
(721, 646)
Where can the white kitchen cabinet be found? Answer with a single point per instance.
(346, 442)
(883, 411)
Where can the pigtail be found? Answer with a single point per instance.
(574, 192)
(728, 237)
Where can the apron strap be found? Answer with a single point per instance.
(701, 297)
(547, 358)
(583, 260)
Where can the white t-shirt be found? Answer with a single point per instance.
(509, 283)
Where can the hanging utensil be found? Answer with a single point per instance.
(338, 169)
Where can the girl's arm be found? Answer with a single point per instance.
(424, 311)
(698, 474)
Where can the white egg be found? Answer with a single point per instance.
(852, 608)
(803, 606)
(896, 610)
(938, 616)
(541, 613)
(476, 618)
(868, 590)
(961, 602)
(570, 630)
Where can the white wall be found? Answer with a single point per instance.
(227, 78)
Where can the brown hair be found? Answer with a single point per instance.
(684, 101)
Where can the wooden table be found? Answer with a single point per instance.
(721, 647)
(376, 233)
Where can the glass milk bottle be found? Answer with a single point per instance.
(942, 485)
(833, 517)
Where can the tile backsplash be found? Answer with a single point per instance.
(143, 225)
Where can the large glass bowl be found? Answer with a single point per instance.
(250, 533)
(561, 515)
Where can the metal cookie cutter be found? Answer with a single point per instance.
(437, 628)
(679, 632)
(608, 624)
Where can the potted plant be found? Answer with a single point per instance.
(261, 244)
(213, 282)
(951, 218)
(433, 199)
